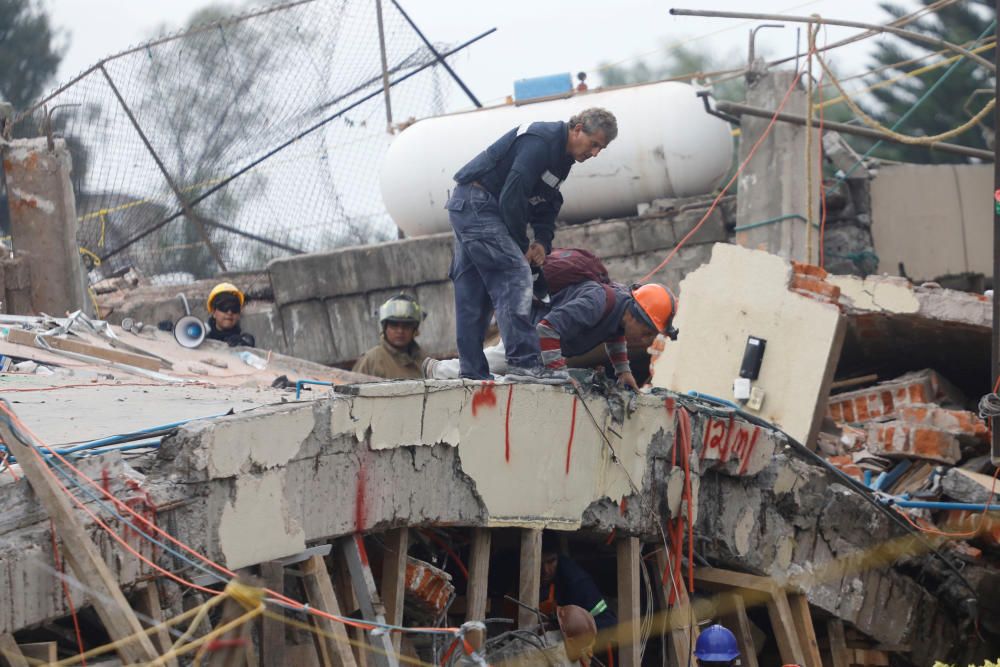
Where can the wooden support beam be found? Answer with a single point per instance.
(629, 613)
(530, 577)
(345, 593)
(319, 592)
(40, 652)
(236, 648)
(678, 621)
(839, 653)
(718, 579)
(479, 574)
(148, 604)
(10, 652)
(354, 554)
(81, 553)
(783, 626)
(397, 543)
(739, 623)
(272, 633)
(805, 630)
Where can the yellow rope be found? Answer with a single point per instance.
(903, 138)
(218, 632)
(105, 648)
(905, 75)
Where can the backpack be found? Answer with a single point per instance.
(568, 266)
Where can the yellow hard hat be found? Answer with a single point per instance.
(223, 288)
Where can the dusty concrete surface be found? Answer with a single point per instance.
(266, 484)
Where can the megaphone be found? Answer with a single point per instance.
(189, 331)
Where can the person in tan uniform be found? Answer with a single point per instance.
(397, 356)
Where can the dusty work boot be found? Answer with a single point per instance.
(538, 374)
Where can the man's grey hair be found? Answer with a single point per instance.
(594, 119)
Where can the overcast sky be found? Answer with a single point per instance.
(534, 37)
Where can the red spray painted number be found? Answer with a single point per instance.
(359, 500)
(484, 397)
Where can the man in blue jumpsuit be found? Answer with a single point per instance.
(513, 183)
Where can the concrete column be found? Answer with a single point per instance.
(773, 185)
(43, 223)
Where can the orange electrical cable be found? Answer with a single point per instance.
(739, 170)
(970, 533)
(154, 528)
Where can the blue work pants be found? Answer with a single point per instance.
(490, 273)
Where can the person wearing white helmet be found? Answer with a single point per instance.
(397, 356)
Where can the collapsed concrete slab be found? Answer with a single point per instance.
(265, 485)
(745, 293)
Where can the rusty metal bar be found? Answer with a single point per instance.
(385, 66)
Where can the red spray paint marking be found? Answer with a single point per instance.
(506, 428)
(359, 500)
(484, 397)
(704, 440)
(622, 506)
(724, 450)
(670, 404)
(572, 429)
(105, 480)
(362, 552)
(753, 443)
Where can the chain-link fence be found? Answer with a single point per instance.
(242, 140)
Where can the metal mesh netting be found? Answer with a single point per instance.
(238, 112)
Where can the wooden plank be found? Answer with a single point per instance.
(726, 579)
(629, 615)
(677, 620)
(839, 653)
(866, 657)
(783, 626)
(237, 649)
(44, 652)
(345, 593)
(81, 553)
(530, 579)
(805, 630)
(148, 604)
(353, 550)
(11, 652)
(272, 634)
(397, 543)
(738, 621)
(320, 593)
(22, 337)
(479, 574)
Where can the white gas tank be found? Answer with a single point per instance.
(667, 146)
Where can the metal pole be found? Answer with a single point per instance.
(995, 444)
(187, 207)
(737, 109)
(439, 57)
(224, 182)
(906, 34)
(385, 67)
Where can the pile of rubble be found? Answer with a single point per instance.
(911, 440)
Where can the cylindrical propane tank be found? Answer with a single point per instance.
(667, 146)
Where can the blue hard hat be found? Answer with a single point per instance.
(716, 644)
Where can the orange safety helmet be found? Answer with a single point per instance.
(659, 305)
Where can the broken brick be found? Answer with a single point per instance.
(956, 422)
(809, 270)
(985, 525)
(884, 400)
(898, 439)
(810, 284)
(847, 465)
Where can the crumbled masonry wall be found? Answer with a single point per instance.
(742, 293)
(265, 485)
(895, 327)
